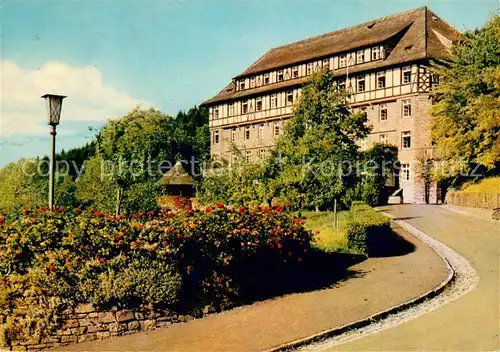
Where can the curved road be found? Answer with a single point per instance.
(472, 322)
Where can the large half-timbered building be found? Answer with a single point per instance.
(384, 63)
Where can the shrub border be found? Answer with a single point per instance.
(450, 278)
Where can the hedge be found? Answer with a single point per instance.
(364, 226)
(474, 199)
(180, 262)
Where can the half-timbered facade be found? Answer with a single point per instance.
(383, 63)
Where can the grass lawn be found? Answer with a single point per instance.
(328, 239)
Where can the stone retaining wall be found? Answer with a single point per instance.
(85, 323)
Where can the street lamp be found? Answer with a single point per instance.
(53, 104)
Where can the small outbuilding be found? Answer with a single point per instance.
(178, 182)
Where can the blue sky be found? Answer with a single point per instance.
(107, 56)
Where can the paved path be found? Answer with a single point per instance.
(384, 282)
(471, 323)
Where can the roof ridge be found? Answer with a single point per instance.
(347, 28)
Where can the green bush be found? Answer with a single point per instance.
(179, 262)
(364, 226)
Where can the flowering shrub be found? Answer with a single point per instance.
(216, 256)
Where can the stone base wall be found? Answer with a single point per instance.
(85, 323)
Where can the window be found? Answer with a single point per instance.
(375, 53)
(341, 84)
(258, 104)
(247, 132)
(406, 107)
(262, 153)
(244, 107)
(309, 68)
(383, 112)
(231, 109)
(242, 84)
(383, 138)
(280, 76)
(435, 79)
(248, 156)
(380, 80)
(326, 63)
(261, 131)
(276, 130)
(233, 135)
(252, 82)
(295, 72)
(289, 97)
(363, 143)
(216, 137)
(363, 110)
(405, 172)
(216, 113)
(406, 140)
(274, 100)
(360, 56)
(266, 78)
(342, 60)
(361, 84)
(406, 74)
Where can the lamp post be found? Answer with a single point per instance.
(53, 104)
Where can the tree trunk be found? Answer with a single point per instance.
(119, 196)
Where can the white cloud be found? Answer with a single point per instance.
(89, 97)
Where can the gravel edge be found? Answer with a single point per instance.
(461, 279)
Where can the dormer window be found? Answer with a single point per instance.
(242, 84)
(326, 63)
(244, 108)
(280, 76)
(360, 56)
(252, 82)
(310, 68)
(376, 53)
(216, 113)
(295, 72)
(342, 60)
(266, 78)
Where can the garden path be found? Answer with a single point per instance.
(471, 323)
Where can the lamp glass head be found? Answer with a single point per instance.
(53, 104)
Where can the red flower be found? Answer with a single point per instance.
(220, 205)
(44, 208)
(169, 229)
(208, 210)
(267, 209)
(133, 245)
(279, 208)
(52, 268)
(179, 236)
(288, 205)
(26, 211)
(103, 260)
(152, 212)
(242, 209)
(164, 243)
(77, 211)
